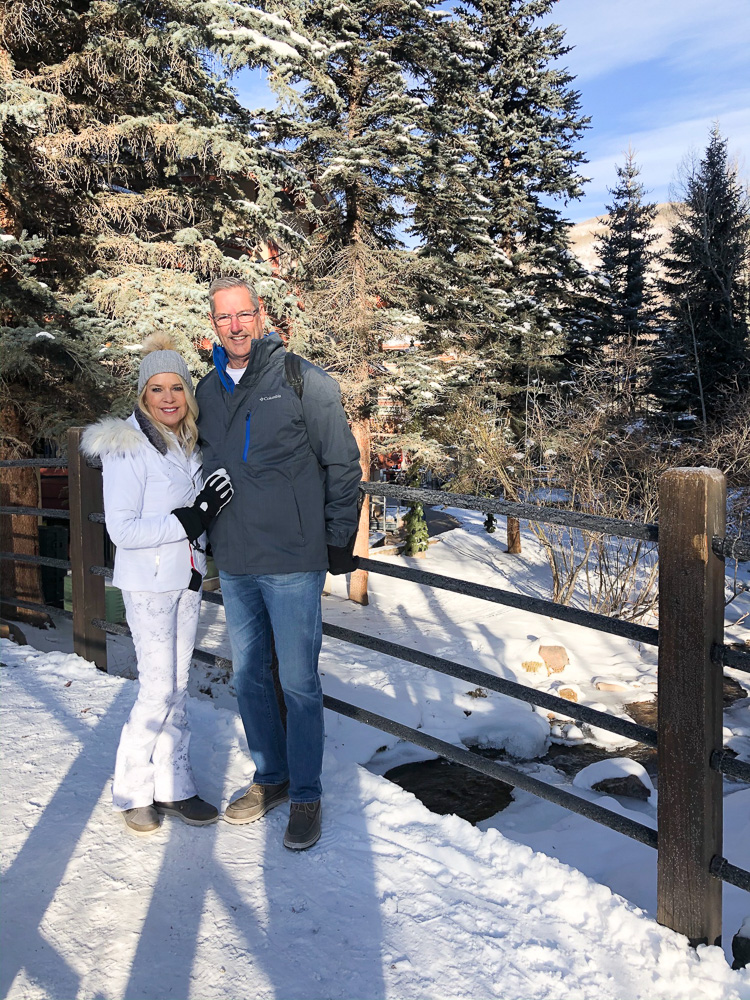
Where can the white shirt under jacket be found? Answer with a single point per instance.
(141, 488)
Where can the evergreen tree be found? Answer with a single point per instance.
(352, 129)
(629, 313)
(707, 351)
(627, 256)
(130, 158)
(500, 288)
(416, 531)
(497, 271)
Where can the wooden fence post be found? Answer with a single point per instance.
(86, 549)
(692, 509)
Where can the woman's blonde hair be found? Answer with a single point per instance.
(187, 432)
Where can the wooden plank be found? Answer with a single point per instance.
(86, 549)
(692, 509)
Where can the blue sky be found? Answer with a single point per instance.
(653, 74)
(656, 74)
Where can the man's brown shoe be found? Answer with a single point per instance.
(256, 802)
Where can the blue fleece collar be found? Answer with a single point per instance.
(221, 360)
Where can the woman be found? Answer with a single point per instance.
(156, 514)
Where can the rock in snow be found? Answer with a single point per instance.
(616, 776)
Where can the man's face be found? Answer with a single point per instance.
(237, 324)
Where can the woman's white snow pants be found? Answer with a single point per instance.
(153, 761)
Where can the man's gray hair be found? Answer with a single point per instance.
(220, 284)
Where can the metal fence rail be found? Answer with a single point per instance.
(730, 656)
(731, 547)
(509, 598)
(37, 512)
(35, 560)
(722, 869)
(48, 609)
(726, 763)
(480, 678)
(33, 463)
(494, 769)
(523, 511)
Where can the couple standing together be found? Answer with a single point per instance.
(279, 506)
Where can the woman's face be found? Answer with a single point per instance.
(165, 399)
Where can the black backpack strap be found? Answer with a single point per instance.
(293, 372)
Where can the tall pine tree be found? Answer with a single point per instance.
(627, 257)
(131, 159)
(497, 276)
(707, 352)
(629, 315)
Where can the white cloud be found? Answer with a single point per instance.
(612, 34)
(658, 152)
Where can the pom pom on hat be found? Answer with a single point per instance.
(159, 357)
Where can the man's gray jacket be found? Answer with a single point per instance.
(294, 464)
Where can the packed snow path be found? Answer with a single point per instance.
(393, 902)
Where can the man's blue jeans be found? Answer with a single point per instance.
(288, 604)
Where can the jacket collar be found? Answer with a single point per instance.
(175, 455)
(260, 353)
(152, 435)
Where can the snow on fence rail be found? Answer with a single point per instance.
(693, 546)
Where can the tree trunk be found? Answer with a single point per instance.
(19, 533)
(358, 579)
(514, 536)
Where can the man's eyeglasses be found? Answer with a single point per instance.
(225, 319)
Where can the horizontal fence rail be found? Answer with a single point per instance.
(480, 678)
(523, 511)
(577, 616)
(35, 560)
(114, 628)
(722, 869)
(731, 547)
(34, 463)
(48, 609)
(726, 763)
(731, 656)
(37, 512)
(494, 769)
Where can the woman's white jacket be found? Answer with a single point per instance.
(144, 481)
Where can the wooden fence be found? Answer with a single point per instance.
(693, 546)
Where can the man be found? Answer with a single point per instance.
(295, 469)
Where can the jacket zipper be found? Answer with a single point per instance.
(247, 437)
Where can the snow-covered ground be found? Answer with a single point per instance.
(395, 901)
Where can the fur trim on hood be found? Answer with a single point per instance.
(111, 436)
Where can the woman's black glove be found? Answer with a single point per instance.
(216, 493)
(341, 558)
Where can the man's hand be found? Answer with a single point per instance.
(216, 493)
(341, 558)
